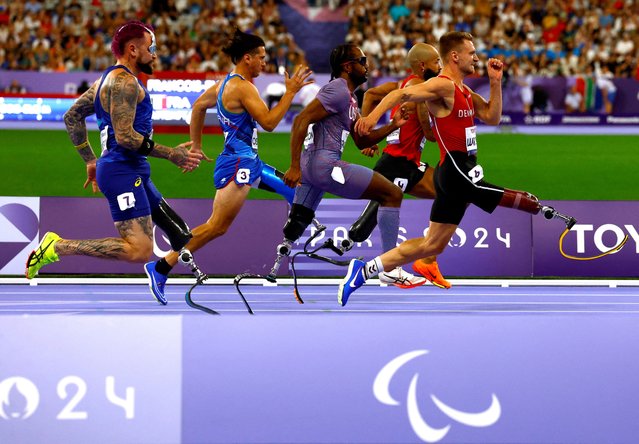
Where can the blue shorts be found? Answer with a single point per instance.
(242, 170)
(128, 188)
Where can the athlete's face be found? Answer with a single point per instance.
(357, 67)
(146, 55)
(257, 61)
(432, 67)
(466, 58)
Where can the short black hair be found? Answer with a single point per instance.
(339, 55)
(241, 43)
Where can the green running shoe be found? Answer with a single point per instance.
(43, 255)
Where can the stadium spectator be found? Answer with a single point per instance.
(15, 88)
(573, 100)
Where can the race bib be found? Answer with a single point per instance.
(243, 175)
(126, 201)
(338, 175)
(104, 136)
(393, 138)
(254, 140)
(344, 138)
(401, 182)
(471, 140)
(476, 174)
(308, 140)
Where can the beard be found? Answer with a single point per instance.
(429, 74)
(359, 79)
(146, 68)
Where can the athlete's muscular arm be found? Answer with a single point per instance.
(423, 92)
(207, 100)
(122, 100)
(377, 135)
(374, 95)
(74, 119)
(424, 121)
(314, 112)
(490, 112)
(268, 119)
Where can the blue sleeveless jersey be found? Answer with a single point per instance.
(143, 124)
(240, 129)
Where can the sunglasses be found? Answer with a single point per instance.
(361, 60)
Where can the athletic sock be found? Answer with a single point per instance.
(373, 267)
(163, 267)
(388, 221)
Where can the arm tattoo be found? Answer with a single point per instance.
(87, 154)
(74, 117)
(123, 101)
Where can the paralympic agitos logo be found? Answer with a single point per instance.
(426, 432)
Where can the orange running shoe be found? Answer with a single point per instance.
(432, 273)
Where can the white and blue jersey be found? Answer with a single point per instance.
(123, 175)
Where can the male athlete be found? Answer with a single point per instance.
(323, 127)
(238, 167)
(123, 108)
(459, 179)
(401, 160)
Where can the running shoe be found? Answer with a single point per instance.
(43, 255)
(157, 281)
(400, 278)
(352, 281)
(432, 273)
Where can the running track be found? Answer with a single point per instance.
(481, 297)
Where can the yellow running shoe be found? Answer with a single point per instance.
(43, 255)
(432, 273)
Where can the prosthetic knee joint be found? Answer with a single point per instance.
(172, 224)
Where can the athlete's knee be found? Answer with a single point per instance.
(172, 224)
(299, 218)
(213, 229)
(391, 196)
(520, 200)
(140, 251)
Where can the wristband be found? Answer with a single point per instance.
(147, 146)
(82, 145)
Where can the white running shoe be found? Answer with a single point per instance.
(401, 278)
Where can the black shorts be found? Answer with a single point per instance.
(401, 171)
(459, 182)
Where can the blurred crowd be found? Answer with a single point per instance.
(539, 37)
(75, 35)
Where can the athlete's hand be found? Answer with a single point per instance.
(371, 151)
(91, 177)
(292, 176)
(495, 69)
(184, 158)
(298, 80)
(401, 116)
(364, 125)
(198, 150)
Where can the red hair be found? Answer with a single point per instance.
(124, 34)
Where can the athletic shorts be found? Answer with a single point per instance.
(401, 171)
(459, 182)
(128, 188)
(323, 172)
(242, 170)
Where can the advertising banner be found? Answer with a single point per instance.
(249, 245)
(93, 379)
(601, 226)
(483, 245)
(507, 243)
